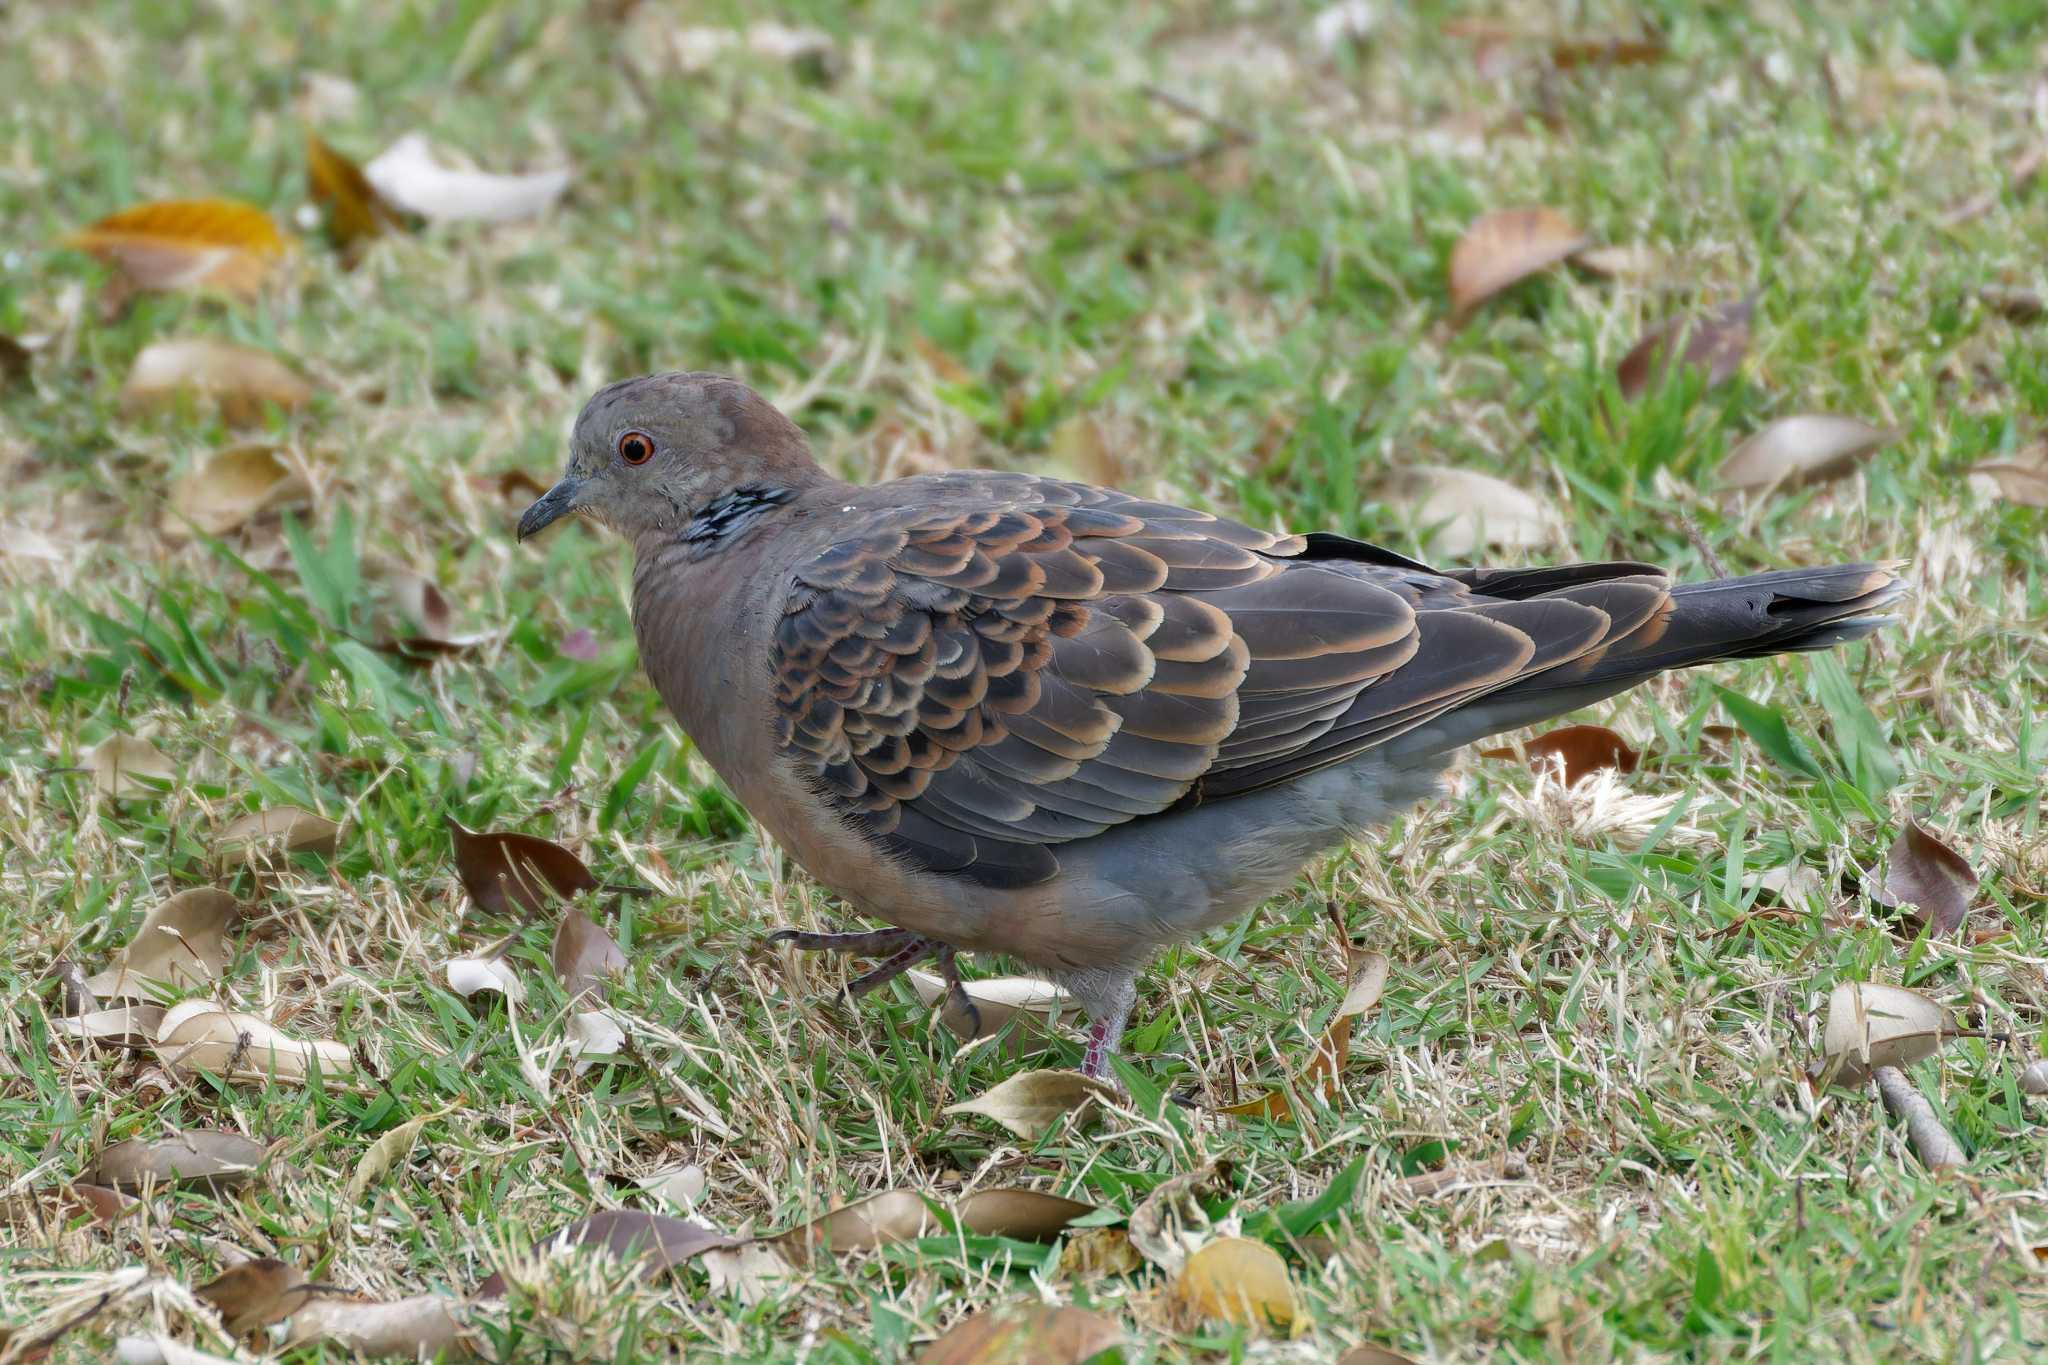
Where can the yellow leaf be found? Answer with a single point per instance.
(241, 379)
(355, 210)
(234, 486)
(1235, 1279)
(219, 244)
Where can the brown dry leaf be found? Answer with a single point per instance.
(1869, 1025)
(1503, 248)
(1024, 1334)
(1077, 447)
(2034, 1079)
(233, 487)
(752, 1272)
(1925, 872)
(253, 1294)
(2014, 305)
(387, 1151)
(584, 955)
(102, 1203)
(1367, 977)
(199, 1035)
(187, 244)
(205, 1156)
(419, 1328)
(1714, 342)
(181, 944)
(135, 1023)
(1235, 1279)
(2022, 479)
(1092, 1253)
(1169, 1222)
(242, 380)
(257, 835)
(409, 177)
(1580, 749)
(1632, 263)
(422, 600)
(1369, 1354)
(650, 1242)
(999, 999)
(124, 766)
(1805, 449)
(1567, 54)
(355, 211)
(516, 875)
(903, 1215)
(1458, 511)
(1031, 1103)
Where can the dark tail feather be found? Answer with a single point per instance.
(1783, 612)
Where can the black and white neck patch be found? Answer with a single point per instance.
(729, 514)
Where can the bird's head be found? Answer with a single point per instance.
(650, 456)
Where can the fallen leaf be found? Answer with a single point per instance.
(355, 211)
(200, 1035)
(422, 1327)
(1715, 342)
(1027, 1215)
(1925, 872)
(1505, 247)
(157, 1349)
(697, 49)
(1235, 1279)
(1369, 1354)
(1024, 1334)
(102, 1203)
(468, 976)
(1169, 1223)
(1459, 511)
(752, 1272)
(1869, 1025)
(1794, 886)
(1578, 749)
(2021, 480)
(903, 1215)
(2034, 1080)
(204, 1156)
(516, 875)
(181, 945)
(242, 380)
(1344, 24)
(14, 361)
(1567, 54)
(650, 1242)
(1031, 1103)
(1367, 976)
(233, 487)
(1803, 449)
(999, 1000)
(219, 244)
(124, 766)
(1078, 447)
(136, 1023)
(387, 1151)
(422, 600)
(1092, 1253)
(584, 955)
(2015, 305)
(1633, 263)
(407, 176)
(253, 1294)
(257, 835)
(594, 1034)
(681, 1186)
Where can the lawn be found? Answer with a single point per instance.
(1202, 251)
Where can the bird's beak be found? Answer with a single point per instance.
(550, 507)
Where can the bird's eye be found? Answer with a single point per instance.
(636, 448)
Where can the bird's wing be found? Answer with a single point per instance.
(999, 665)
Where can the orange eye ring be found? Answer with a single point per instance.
(636, 447)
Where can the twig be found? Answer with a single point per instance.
(1228, 135)
(1230, 132)
(1936, 1149)
(1698, 538)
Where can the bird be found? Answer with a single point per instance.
(1011, 713)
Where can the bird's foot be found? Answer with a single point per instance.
(1101, 1047)
(873, 941)
(904, 949)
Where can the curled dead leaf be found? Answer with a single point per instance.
(516, 875)
(181, 945)
(1459, 511)
(133, 1023)
(469, 976)
(387, 1151)
(1805, 449)
(1714, 342)
(423, 602)
(584, 955)
(1169, 1222)
(408, 175)
(1925, 872)
(219, 244)
(355, 211)
(1367, 978)
(258, 835)
(1031, 1103)
(999, 1000)
(1092, 1253)
(199, 1035)
(1506, 247)
(1041, 1333)
(233, 487)
(904, 1215)
(594, 1034)
(2034, 1080)
(1577, 749)
(2021, 480)
(203, 1156)
(422, 1327)
(124, 766)
(1870, 1025)
(1235, 1279)
(242, 380)
(253, 1294)
(649, 1242)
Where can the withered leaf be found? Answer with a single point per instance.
(1925, 872)
(2021, 479)
(1458, 511)
(199, 1035)
(407, 175)
(387, 1151)
(1808, 448)
(131, 1023)
(1567, 54)
(219, 244)
(355, 211)
(1580, 749)
(903, 1215)
(1870, 1025)
(181, 944)
(1091, 1253)
(998, 1000)
(1031, 1103)
(1715, 342)
(516, 875)
(650, 1242)
(422, 1327)
(253, 1294)
(205, 1156)
(584, 955)
(469, 976)
(1369, 1354)
(124, 766)
(1506, 247)
(242, 380)
(1170, 1222)
(253, 835)
(1236, 1279)
(1037, 1333)
(421, 599)
(1366, 974)
(233, 487)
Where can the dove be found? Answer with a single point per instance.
(1009, 713)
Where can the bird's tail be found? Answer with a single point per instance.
(1782, 612)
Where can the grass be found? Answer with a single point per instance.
(929, 247)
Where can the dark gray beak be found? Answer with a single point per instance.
(551, 506)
